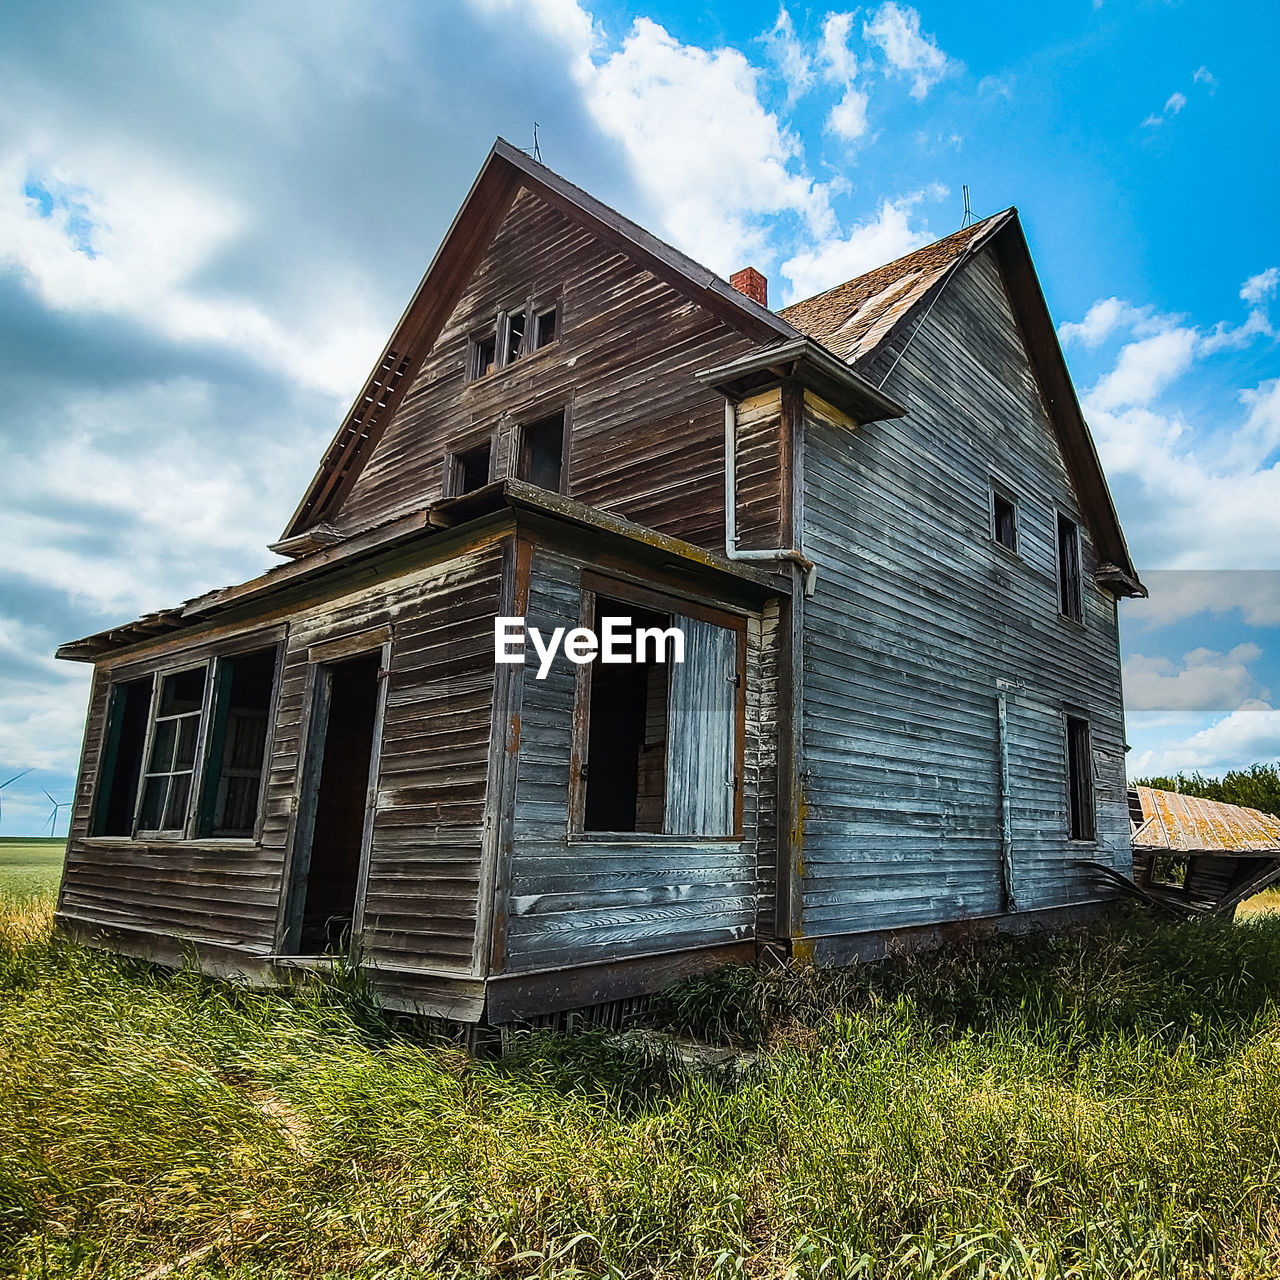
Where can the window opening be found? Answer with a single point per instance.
(1079, 780)
(542, 452)
(116, 797)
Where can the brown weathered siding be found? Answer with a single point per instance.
(647, 439)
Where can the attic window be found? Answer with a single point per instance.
(469, 471)
(484, 355)
(545, 329)
(1004, 520)
(518, 331)
(541, 456)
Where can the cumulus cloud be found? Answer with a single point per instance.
(1100, 322)
(896, 31)
(1206, 680)
(1257, 289)
(1178, 594)
(870, 244)
(1249, 734)
(847, 118)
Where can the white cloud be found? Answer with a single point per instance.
(790, 56)
(1145, 368)
(104, 233)
(1199, 493)
(834, 50)
(887, 236)
(847, 118)
(1204, 76)
(1177, 594)
(1175, 103)
(1257, 289)
(1206, 681)
(1100, 322)
(896, 30)
(1249, 734)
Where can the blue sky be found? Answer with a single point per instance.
(211, 216)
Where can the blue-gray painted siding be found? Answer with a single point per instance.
(578, 901)
(918, 614)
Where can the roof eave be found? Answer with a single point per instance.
(814, 367)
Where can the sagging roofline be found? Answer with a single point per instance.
(521, 503)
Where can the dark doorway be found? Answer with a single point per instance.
(327, 881)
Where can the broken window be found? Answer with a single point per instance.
(470, 470)
(484, 355)
(1070, 599)
(545, 328)
(237, 746)
(1004, 520)
(515, 322)
(1079, 780)
(661, 749)
(120, 768)
(541, 458)
(171, 757)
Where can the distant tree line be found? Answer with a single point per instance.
(1257, 787)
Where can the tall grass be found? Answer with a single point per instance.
(1102, 1104)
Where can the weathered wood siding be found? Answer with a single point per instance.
(647, 439)
(569, 902)
(918, 614)
(425, 867)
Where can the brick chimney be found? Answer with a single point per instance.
(752, 283)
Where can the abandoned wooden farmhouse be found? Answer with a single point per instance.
(875, 518)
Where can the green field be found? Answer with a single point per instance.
(29, 866)
(1104, 1104)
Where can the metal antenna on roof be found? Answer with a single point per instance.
(968, 212)
(537, 150)
(58, 806)
(15, 777)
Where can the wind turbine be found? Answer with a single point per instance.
(53, 813)
(15, 777)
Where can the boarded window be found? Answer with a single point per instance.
(237, 746)
(116, 796)
(541, 459)
(701, 754)
(1004, 520)
(662, 736)
(1079, 780)
(1070, 601)
(470, 470)
(171, 757)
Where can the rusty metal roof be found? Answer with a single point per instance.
(853, 318)
(1176, 823)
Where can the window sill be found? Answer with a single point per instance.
(207, 843)
(522, 363)
(1010, 553)
(641, 839)
(1072, 622)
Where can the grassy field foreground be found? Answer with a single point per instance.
(1102, 1104)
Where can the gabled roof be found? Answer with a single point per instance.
(853, 319)
(1177, 823)
(862, 318)
(505, 171)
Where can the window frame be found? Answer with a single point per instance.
(209, 659)
(1075, 716)
(519, 442)
(168, 834)
(594, 585)
(533, 307)
(455, 463)
(1000, 492)
(1076, 595)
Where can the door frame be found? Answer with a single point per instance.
(321, 660)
